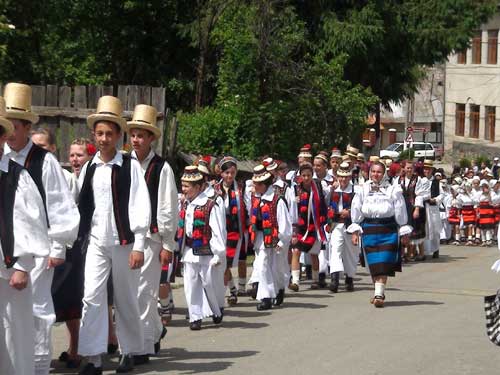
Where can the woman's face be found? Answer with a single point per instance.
(307, 177)
(229, 175)
(320, 168)
(376, 173)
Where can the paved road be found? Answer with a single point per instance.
(433, 323)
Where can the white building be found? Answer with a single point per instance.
(472, 95)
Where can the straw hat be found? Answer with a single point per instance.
(270, 164)
(109, 108)
(204, 165)
(345, 157)
(361, 156)
(260, 174)
(305, 151)
(352, 151)
(322, 155)
(344, 170)
(428, 163)
(374, 158)
(18, 102)
(336, 153)
(144, 118)
(6, 124)
(191, 174)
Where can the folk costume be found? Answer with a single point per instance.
(23, 236)
(270, 232)
(379, 214)
(62, 219)
(432, 200)
(486, 214)
(293, 177)
(467, 212)
(160, 181)
(202, 241)
(344, 255)
(115, 208)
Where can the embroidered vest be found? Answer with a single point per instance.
(409, 191)
(34, 164)
(8, 187)
(152, 177)
(201, 233)
(264, 217)
(333, 210)
(120, 188)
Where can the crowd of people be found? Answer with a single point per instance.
(98, 247)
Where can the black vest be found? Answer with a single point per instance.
(8, 187)
(152, 177)
(34, 164)
(120, 188)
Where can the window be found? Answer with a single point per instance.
(419, 146)
(460, 119)
(462, 57)
(428, 147)
(474, 121)
(476, 48)
(492, 46)
(489, 129)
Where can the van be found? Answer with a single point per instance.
(422, 150)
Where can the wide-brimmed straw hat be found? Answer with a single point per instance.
(374, 158)
(270, 164)
(428, 163)
(18, 102)
(261, 174)
(344, 170)
(191, 174)
(352, 152)
(4, 123)
(144, 117)
(336, 154)
(322, 155)
(305, 151)
(109, 108)
(360, 156)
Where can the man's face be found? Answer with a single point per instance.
(427, 172)
(344, 181)
(78, 156)
(260, 187)
(320, 167)
(408, 169)
(106, 136)
(190, 190)
(141, 140)
(19, 138)
(334, 164)
(42, 140)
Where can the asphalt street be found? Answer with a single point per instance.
(433, 323)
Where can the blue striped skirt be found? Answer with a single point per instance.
(380, 246)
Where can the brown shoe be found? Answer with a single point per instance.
(294, 287)
(378, 301)
(315, 285)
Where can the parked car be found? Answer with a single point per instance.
(425, 150)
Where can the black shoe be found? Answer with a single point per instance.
(141, 359)
(253, 292)
(265, 304)
(195, 326)
(309, 272)
(334, 285)
(73, 363)
(90, 369)
(218, 319)
(63, 357)
(349, 284)
(279, 297)
(158, 344)
(112, 348)
(435, 255)
(126, 363)
(322, 280)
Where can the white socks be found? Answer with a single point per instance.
(315, 275)
(379, 289)
(296, 276)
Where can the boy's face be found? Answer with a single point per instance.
(106, 136)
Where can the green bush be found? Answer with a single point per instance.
(408, 154)
(465, 163)
(483, 158)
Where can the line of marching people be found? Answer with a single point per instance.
(98, 248)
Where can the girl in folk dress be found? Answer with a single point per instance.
(468, 212)
(454, 214)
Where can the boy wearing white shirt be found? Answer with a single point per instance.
(115, 210)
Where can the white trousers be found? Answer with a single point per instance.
(432, 245)
(43, 314)
(93, 338)
(266, 273)
(324, 260)
(202, 287)
(17, 330)
(149, 283)
(344, 255)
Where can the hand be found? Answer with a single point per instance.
(297, 199)
(215, 261)
(54, 262)
(19, 280)
(335, 185)
(416, 213)
(405, 240)
(355, 238)
(165, 257)
(135, 259)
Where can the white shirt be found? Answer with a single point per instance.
(103, 228)
(290, 199)
(62, 212)
(30, 224)
(284, 223)
(167, 209)
(72, 181)
(422, 189)
(386, 202)
(217, 222)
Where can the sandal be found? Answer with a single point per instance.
(377, 301)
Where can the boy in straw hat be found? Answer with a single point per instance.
(160, 240)
(201, 236)
(62, 214)
(23, 212)
(432, 201)
(115, 210)
(344, 255)
(335, 160)
(270, 232)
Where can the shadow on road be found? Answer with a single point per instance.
(411, 303)
(298, 305)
